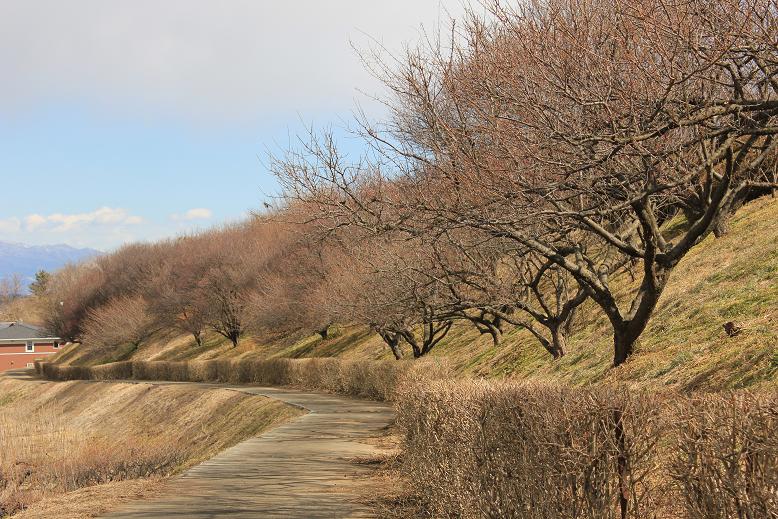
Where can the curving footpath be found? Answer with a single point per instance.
(299, 469)
(303, 468)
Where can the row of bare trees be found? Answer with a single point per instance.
(537, 154)
(529, 160)
(226, 280)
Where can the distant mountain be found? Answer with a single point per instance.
(17, 258)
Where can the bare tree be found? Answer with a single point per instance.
(489, 282)
(121, 321)
(448, 271)
(174, 292)
(10, 288)
(238, 258)
(379, 282)
(284, 299)
(603, 141)
(73, 291)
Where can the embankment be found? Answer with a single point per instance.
(59, 439)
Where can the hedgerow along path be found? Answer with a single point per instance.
(303, 468)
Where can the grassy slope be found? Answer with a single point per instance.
(85, 428)
(734, 278)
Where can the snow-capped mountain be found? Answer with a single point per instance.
(17, 258)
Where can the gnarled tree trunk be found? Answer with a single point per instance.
(392, 339)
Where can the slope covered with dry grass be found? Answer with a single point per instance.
(733, 278)
(58, 438)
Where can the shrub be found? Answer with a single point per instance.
(476, 449)
(726, 455)
(114, 371)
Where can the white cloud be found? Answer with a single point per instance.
(60, 222)
(10, 225)
(105, 228)
(34, 221)
(198, 213)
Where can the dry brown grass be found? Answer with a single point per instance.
(481, 449)
(58, 438)
(94, 501)
(474, 449)
(386, 490)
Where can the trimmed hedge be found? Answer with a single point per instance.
(476, 449)
(376, 380)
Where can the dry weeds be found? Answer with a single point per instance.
(94, 501)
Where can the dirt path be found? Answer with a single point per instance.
(303, 468)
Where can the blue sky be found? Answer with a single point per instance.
(131, 121)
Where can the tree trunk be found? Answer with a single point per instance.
(622, 463)
(485, 326)
(432, 335)
(569, 321)
(198, 337)
(324, 332)
(626, 331)
(547, 345)
(393, 341)
(234, 339)
(394, 345)
(722, 227)
(499, 323)
(623, 346)
(626, 336)
(558, 346)
(550, 348)
(496, 334)
(417, 353)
